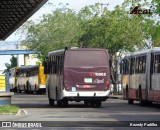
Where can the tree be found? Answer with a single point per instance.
(13, 63)
(115, 30)
(55, 31)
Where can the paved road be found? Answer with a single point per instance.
(112, 110)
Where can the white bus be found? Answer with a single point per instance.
(12, 79)
(81, 74)
(22, 76)
(141, 76)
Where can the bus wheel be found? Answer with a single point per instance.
(98, 104)
(92, 103)
(65, 102)
(19, 89)
(86, 103)
(130, 101)
(59, 103)
(16, 89)
(141, 101)
(51, 102)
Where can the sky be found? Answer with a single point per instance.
(76, 5)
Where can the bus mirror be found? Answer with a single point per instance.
(66, 48)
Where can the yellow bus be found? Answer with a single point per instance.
(2, 82)
(36, 79)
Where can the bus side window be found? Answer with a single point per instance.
(155, 64)
(58, 64)
(158, 56)
(61, 64)
(124, 67)
(132, 71)
(137, 67)
(54, 64)
(28, 73)
(49, 65)
(144, 64)
(152, 64)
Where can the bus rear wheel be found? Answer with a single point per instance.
(141, 101)
(86, 103)
(98, 104)
(65, 102)
(51, 102)
(130, 101)
(59, 103)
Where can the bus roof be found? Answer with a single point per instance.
(153, 50)
(33, 66)
(59, 52)
(22, 67)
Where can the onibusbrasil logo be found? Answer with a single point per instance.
(138, 10)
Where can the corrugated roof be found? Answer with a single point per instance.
(14, 13)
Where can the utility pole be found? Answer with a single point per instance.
(101, 4)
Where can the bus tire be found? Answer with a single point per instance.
(51, 102)
(29, 88)
(16, 89)
(27, 85)
(98, 104)
(86, 103)
(65, 102)
(19, 88)
(59, 103)
(130, 101)
(141, 101)
(48, 93)
(92, 103)
(127, 94)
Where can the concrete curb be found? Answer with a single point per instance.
(22, 112)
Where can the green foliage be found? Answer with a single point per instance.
(55, 31)
(13, 63)
(115, 30)
(156, 4)
(8, 109)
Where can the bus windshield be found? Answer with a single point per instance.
(89, 58)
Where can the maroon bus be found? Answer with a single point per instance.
(78, 74)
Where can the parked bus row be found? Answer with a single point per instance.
(28, 79)
(141, 76)
(78, 74)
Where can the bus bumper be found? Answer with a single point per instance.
(42, 86)
(97, 95)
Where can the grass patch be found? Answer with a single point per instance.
(7, 109)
